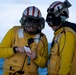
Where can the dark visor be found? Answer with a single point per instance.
(33, 20)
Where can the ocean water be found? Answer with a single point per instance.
(42, 71)
(1, 65)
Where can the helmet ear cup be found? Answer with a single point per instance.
(53, 20)
(42, 24)
(56, 21)
(22, 21)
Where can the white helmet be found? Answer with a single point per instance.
(32, 15)
(59, 8)
(32, 11)
(58, 12)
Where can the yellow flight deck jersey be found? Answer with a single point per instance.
(17, 63)
(63, 53)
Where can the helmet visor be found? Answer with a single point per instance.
(30, 25)
(33, 20)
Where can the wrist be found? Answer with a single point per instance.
(36, 57)
(15, 49)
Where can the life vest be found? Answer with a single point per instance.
(54, 64)
(73, 27)
(19, 61)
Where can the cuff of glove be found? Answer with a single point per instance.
(15, 49)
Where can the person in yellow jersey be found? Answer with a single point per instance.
(25, 47)
(62, 58)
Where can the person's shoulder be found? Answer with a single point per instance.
(43, 35)
(71, 25)
(17, 27)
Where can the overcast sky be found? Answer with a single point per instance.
(11, 12)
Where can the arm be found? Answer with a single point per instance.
(42, 58)
(67, 53)
(6, 49)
